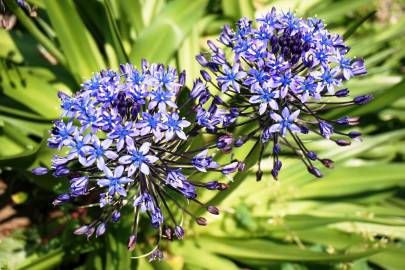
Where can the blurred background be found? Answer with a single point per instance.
(352, 219)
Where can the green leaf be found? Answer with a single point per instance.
(81, 51)
(268, 251)
(48, 261)
(33, 29)
(159, 41)
(197, 257)
(391, 259)
(116, 39)
(360, 179)
(381, 101)
(238, 8)
(133, 11)
(357, 24)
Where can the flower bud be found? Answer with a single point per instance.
(312, 155)
(315, 171)
(354, 134)
(201, 221)
(168, 233)
(206, 76)
(61, 199)
(116, 215)
(361, 100)
(224, 141)
(342, 142)
(100, 229)
(81, 230)
(259, 175)
(131, 242)
(201, 60)
(342, 93)
(327, 163)
(182, 77)
(179, 232)
(40, 171)
(213, 210)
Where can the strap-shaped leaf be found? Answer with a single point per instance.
(79, 47)
(159, 41)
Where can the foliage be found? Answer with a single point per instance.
(352, 219)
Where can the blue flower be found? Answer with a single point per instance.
(344, 65)
(266, 97)
(174, 125)
(230, 79)
(326, 129)
(284, 122)
(78, 186)
(98, 151)
(90, 120)
(115, 181)
(161, 98)
(256, 78)
(67, 104)
(138, 158)
(122, 138)
(94, 83)
(79, 148)
(62, 134)
(307, 87)
(122, 133)
(167, 78)
(179, 181)
(150, 124)
(202, 161)
(286, 75)
(328, 78)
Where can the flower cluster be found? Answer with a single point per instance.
(282, 75)
(121, 139)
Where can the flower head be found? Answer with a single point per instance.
(121, 139)
(282, 75)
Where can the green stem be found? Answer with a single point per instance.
(250, 161)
